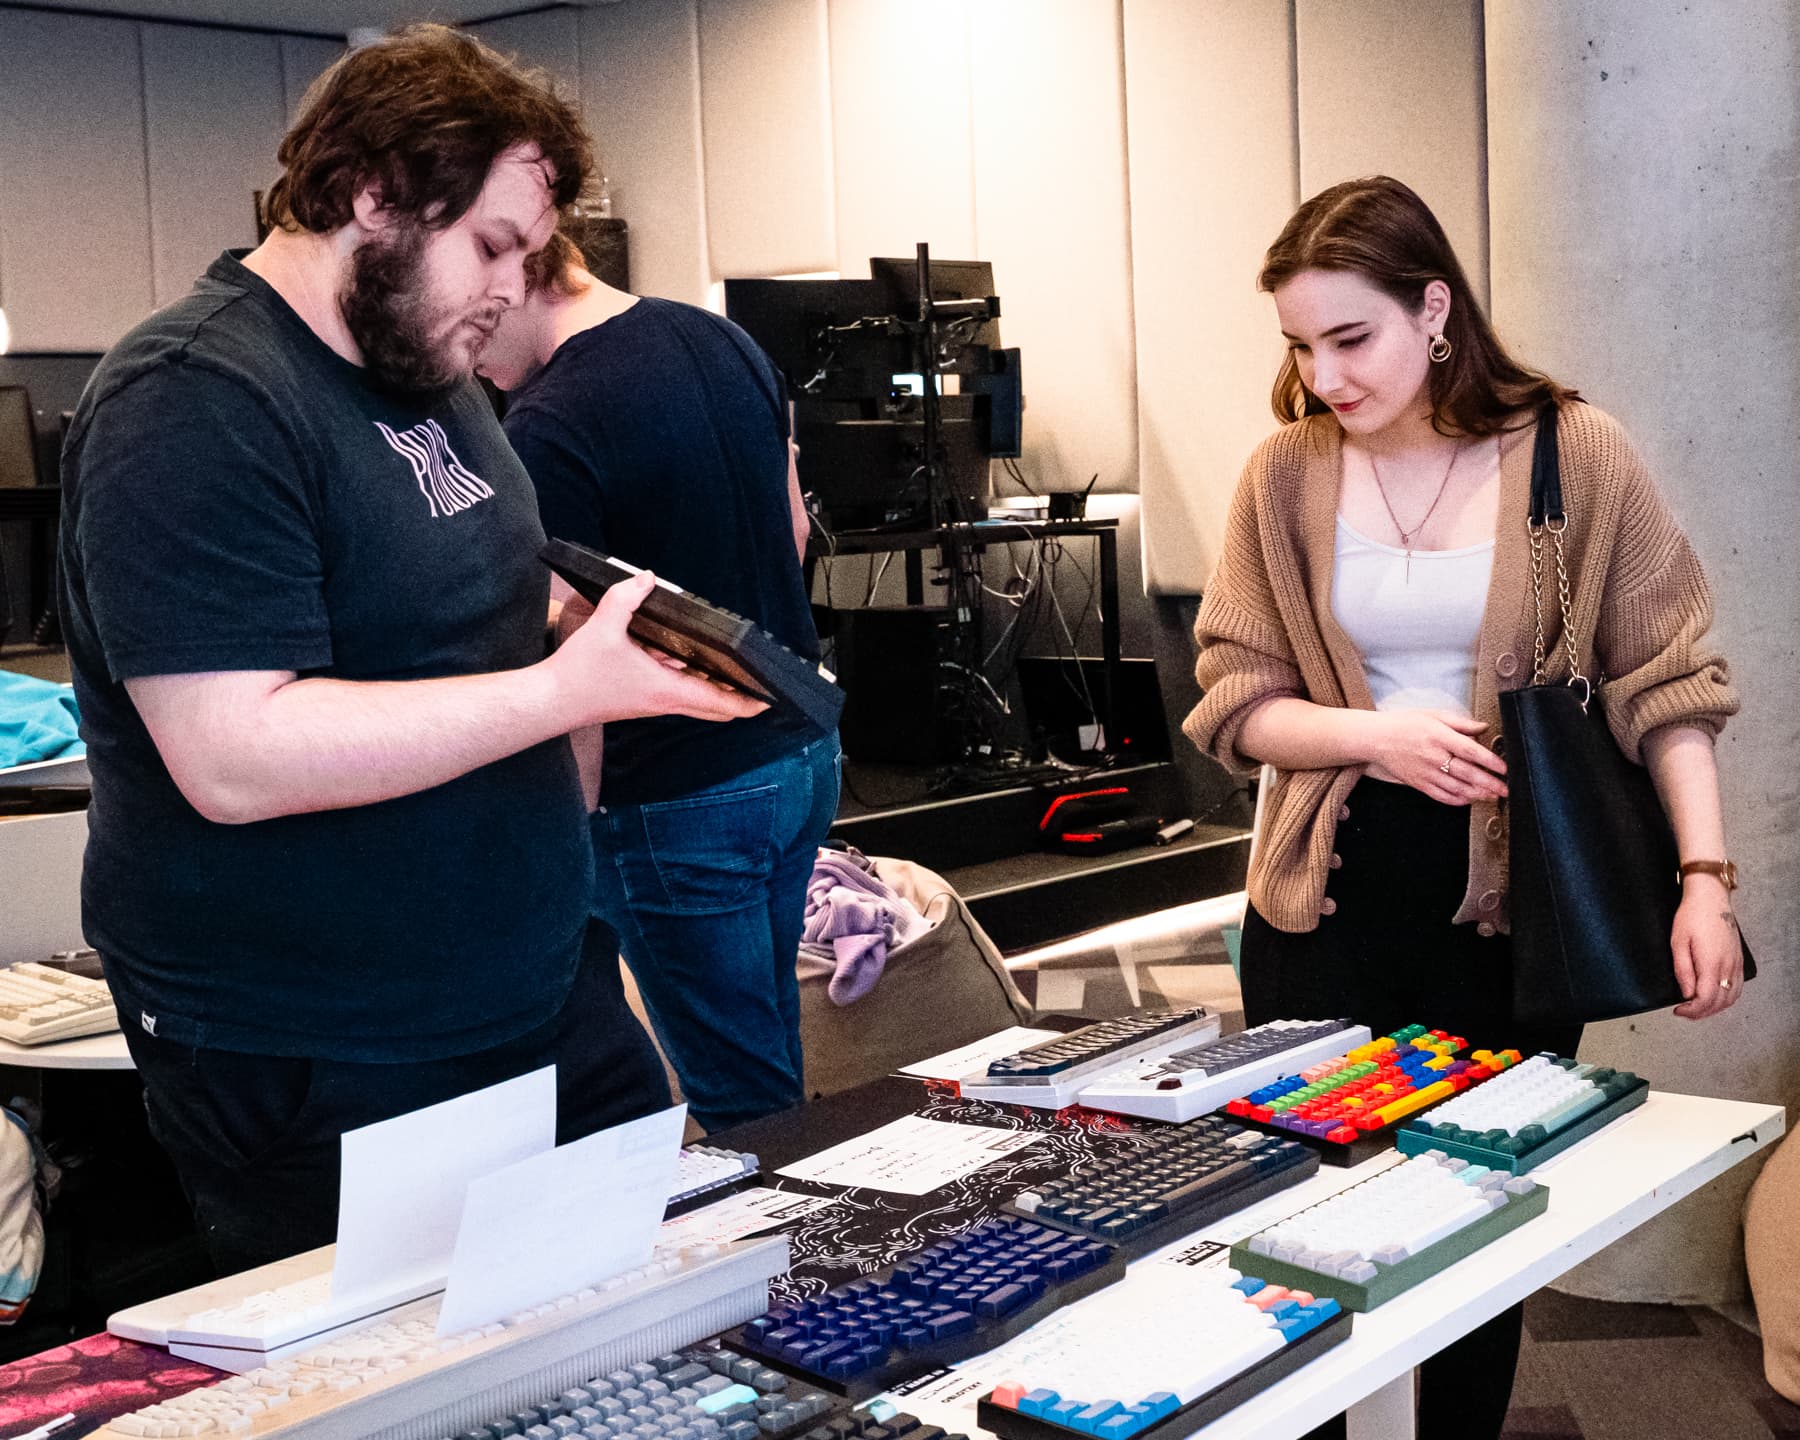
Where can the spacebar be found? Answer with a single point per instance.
(1194, 1191)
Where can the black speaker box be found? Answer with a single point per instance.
(887, 660)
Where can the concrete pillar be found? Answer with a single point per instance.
(1645, 225)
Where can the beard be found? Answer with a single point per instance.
(386, 304)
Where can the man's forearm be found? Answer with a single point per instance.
(324, 744)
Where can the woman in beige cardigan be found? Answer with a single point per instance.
(1372, 600)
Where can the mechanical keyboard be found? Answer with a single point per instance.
(706, 636)
(1050, 1076)
(287, 1308)
(1520, 1119)
(1211, 1348)
(707, 1173)
(1367, 1244)
(1179, 1086)
(1179, 1181)
(949, 1301)
(398, 1380)
(1350, 1106)
(39, 1003)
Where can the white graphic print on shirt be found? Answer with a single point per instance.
(444, 482)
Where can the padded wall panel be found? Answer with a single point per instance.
(1049, 144)
(548, 40)
(900, 129)
(1209, 90)
(640, 90)
(1390, 87)
(74, 210)
(214, 115)
(303, 60)
(765, 106)
(1644, 232)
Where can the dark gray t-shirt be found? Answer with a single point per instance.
(239, 497)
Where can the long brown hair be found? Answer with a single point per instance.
(1381, 230)
(423, 114)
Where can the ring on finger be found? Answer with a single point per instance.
(1445, 767)
(1725, 984)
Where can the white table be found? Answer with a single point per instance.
(1607, 1185)
(90, 1052)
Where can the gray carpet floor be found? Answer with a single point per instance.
(1590, 1370)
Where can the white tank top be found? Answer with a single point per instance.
(1418, 632)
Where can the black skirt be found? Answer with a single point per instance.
(1388, 955)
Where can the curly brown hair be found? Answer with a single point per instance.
(423, 115)
(1381, 230)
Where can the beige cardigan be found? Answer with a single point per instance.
(1639, 600)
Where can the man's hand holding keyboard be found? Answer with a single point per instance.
(606, 675)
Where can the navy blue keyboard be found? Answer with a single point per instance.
(955, 1299)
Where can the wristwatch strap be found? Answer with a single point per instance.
(1724, 869)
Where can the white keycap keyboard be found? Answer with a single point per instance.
(1173, 1342)
(287, 1308)
(39, 1003)
(286, 1318)
(1051, 1074)
(1194, 1081)
(396, 1377)
(704, 1173)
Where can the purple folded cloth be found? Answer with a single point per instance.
(853, 919)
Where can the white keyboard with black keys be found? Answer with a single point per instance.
(398, 1377)
(1179, 1086)
(39, 1003)
(1051, 1075)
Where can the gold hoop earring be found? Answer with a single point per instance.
(1439, 349)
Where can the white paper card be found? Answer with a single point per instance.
(561, 1221)
(744, 1213)
(400, 1197)
(912, 1156)
(969, 1061)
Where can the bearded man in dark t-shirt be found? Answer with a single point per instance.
(658, 432)
(337, 864)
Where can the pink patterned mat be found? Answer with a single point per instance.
(97, 1379)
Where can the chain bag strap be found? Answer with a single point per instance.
(1592, 856)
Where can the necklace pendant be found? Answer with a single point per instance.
(1406, 573)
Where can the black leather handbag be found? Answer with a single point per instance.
(1594, 879)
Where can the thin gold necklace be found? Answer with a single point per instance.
(1406, 536)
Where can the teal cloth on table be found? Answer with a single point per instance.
(38, 721)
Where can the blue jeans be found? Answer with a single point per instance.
(708, 895)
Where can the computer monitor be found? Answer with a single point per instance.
(950, 280)
(847, 353)
(814, 332)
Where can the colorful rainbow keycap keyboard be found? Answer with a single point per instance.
(1349, 1106)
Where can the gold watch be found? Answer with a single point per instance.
(1724, 869)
